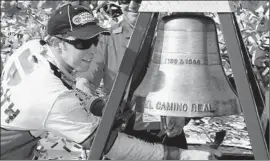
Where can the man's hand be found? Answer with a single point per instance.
(199, 155)
(175, 125)
(173, 153)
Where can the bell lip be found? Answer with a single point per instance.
(187, 15)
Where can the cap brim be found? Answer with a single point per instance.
(88, 32)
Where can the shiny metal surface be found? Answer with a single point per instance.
(185, 76)
(186, 6)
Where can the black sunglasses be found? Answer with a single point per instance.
(80, 43)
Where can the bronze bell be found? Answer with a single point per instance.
(185, 77)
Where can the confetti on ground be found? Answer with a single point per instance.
(64, 141)
(77, 146)
(66, 149)
(54, 145)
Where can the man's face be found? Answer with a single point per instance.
(79, 59)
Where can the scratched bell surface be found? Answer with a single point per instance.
(185, 76)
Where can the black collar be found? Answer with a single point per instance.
(59, 74)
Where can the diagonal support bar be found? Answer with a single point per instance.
(244, 90)
(120, 84)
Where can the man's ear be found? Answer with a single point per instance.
(54, 41)
(59, 44)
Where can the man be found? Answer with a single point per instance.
(40, 94)
(105, 65)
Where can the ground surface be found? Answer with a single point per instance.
(57, 148)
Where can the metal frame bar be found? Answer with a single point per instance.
(120, 84)
(256, 90)
(252, 119)
(143, 58)
(265, 119)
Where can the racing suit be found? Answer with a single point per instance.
(46, 99)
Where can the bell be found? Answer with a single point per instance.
(185, 77)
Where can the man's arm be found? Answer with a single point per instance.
(70, 119)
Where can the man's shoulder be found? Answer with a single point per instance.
(107, 40)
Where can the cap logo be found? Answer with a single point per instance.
(83, 18)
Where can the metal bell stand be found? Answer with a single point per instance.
(246, 83)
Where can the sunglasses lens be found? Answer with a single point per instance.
(83, 44)
(78, 46)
